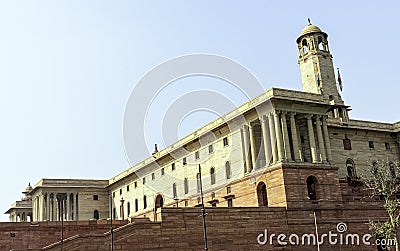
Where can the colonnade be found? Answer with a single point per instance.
(281, 140)
(53, 206)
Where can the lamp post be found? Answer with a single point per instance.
(111, 223)
(203, 211)
(61, 197)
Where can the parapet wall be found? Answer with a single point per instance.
(236, 229)
(35, 235)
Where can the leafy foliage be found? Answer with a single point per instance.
(383, 182)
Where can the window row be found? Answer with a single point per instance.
(228, 175)
(351, 168)
(347, 144)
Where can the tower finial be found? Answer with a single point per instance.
(309, 21)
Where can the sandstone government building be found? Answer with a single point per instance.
(288, 161)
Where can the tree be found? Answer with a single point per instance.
(383, 182)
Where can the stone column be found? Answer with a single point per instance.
(288, 155)
(53, 208)
(296, 148)
(76, 198)
(48, 206)
(311, 138)
(321, 145)
(73, 216)
(43, 208)
(336, 113)
(247, 148)
(279, 137)
(273, 137)
(57, 206)
(253, 148)
(326, 137)
(34, 209)
(68, 208)
(266, 140)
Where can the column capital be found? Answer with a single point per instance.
(309, 116)
(318, 119)
(263, 118)
(293, 113)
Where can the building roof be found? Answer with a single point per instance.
(310, 28)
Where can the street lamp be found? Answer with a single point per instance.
(111, 223)
(203, 211)
(61, 197)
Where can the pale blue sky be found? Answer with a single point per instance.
(67, 69)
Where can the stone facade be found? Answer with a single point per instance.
(289, 153)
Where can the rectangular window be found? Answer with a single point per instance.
(144, 180)
(162, 171)
(173, 166)
(197, 155)
(144, 202)
(230, 202)
(387, 146)
(113, 194)
(135, 184)
(127, 188)
(184, 161)
(371, 144)
(96, 197)
(210, 149)
(225, 140)
(153, 176)
(120, 191)
(228, 190)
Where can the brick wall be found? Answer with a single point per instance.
(26, 235)
(233, 229)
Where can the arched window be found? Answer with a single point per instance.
(128, 208)
(350, 167)
(159, 201)
(174, 192)
(96, 215)
(312, 187)
(198, 182)
(136, 205)
(144, 202)
(374, 168)
(305, 46)
(262, 194)
(321, 45)
(212, 174)
(228, 169)
(186, 185)
(392, 169)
